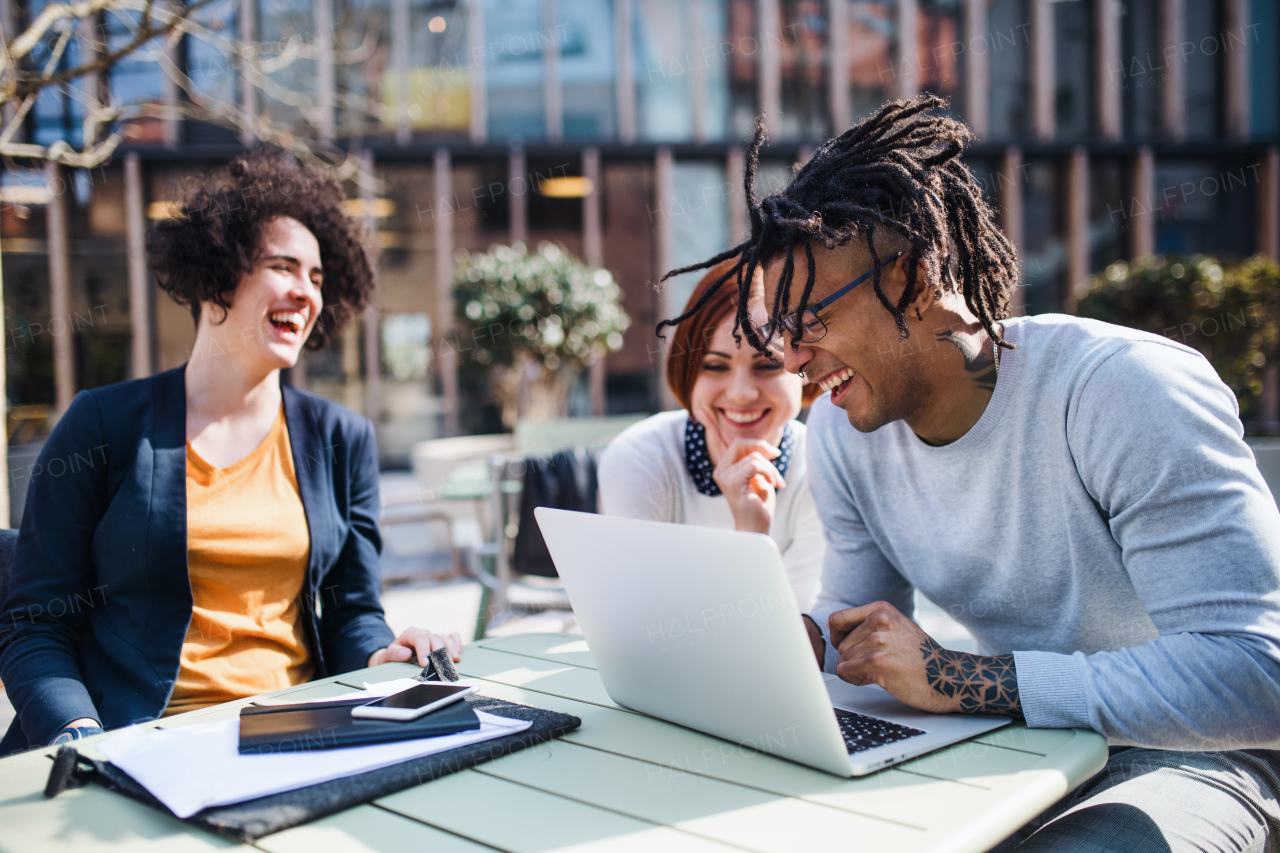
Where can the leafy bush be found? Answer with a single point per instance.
(531, 321)
(545, 305)
(1228, 311)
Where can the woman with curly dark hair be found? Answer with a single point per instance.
(205, 534)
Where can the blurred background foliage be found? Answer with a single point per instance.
(1228, 310)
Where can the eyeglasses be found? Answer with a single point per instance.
(812, 329)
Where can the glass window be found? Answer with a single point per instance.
(683, 64)
(211, 63)
(514, 72)
(1109, 208)
(805, 57)
(58, 113)
(439, 69)
(1073, 58)
(1264, 68)
(137, 78)
(284, 28)
(698, 222)
(1007, 45)
(942, 63)
(1203, 69)
(1206, 205)
(1043, 252)
(362, 66)
(872, 48)
(587, 68)
(1142, 71)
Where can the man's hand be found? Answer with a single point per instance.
(879, 645)
(419, 640)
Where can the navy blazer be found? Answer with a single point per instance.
(100, 598)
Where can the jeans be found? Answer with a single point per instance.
(1156, 801)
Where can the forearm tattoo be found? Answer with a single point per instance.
(985, 684)
(976, 361)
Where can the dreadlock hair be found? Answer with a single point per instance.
(898, 171)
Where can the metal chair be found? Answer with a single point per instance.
(505, 594)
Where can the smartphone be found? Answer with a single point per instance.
(412, 703)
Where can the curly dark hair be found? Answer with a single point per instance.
(200, 254)
(899, 172)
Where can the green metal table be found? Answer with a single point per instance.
(622, 782)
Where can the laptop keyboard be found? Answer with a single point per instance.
(862, 733)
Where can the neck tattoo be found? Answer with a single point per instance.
(981, 367)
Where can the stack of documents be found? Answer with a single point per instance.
(191, 768)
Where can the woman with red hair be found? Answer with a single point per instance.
(734, 456)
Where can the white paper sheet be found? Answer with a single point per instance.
(193, 767)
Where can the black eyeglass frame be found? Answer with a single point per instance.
(792, 320)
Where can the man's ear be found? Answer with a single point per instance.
(924, 297)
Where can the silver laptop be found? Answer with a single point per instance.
(699, 627)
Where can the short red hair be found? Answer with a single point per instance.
(693, 336)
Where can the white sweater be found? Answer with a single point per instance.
(642, 474)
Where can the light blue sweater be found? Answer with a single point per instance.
(1103, 521)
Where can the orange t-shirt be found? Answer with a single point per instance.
(247, 550)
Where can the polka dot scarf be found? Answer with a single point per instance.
(699, 463)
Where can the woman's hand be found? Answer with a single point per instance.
(749, 482)
(423, 642)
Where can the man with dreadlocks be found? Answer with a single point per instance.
(1078, 495)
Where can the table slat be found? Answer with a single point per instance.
(571, 682)
(746, 817)
(367, 829)
(557, 648)
(520, 819)
(889, 794)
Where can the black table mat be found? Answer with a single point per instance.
(251, 820)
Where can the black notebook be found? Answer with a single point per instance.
(327, 725)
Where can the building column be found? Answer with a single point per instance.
(1235, 68)
(625, 71)
(1142, 220)
(977, 77)
(1041, 71)
(1009, 179)
(478, 60)
(518, 194)
(552, 93)
(739, 217)
(908, 76)
(664, 190)
(1173, 95)
(372, 320)
(1268, 238)
(1268, 243)
(171, 124)
(1108, 71)
(593, 250)
(838, 69)
(64, 369)
(1077, 222)
(697, 77)
(448, 362)
(139, 291)
(400, 30)
(247, 30)
(322, 13)
(770, 85)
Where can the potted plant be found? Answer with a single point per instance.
(532, 321)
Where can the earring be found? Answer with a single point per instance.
(918, 317)
(800, 374)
